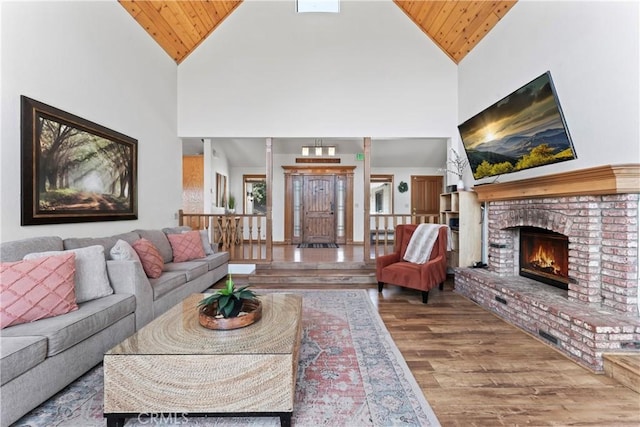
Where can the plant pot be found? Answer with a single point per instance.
(252, 309)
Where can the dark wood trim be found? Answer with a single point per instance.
(318, 170)
(295, 172)
(317, 160)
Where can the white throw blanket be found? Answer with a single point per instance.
(422, 240)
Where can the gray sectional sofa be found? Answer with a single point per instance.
(40, 358)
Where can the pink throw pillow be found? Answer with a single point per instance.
(186, 246)
(35, 289)
(150, 258)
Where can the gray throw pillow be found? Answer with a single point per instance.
(123, 251)
(91, 272)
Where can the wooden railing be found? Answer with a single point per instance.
(243, 236)
(382, 230)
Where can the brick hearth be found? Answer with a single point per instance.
(599, 312)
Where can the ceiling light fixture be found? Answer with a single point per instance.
(318, 149)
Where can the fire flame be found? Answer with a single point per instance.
(544, 260)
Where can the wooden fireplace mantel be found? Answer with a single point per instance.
(600, 180)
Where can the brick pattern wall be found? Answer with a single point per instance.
(603, 243)
(579, 331)
(599, 312)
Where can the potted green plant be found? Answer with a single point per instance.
(232, 203)
(230, 307)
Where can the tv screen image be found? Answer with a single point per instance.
(523, 130)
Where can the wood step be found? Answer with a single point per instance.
(623, 367)
(317, 265)
(298, 276)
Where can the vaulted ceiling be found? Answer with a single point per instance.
(455, 26)
(179, 26)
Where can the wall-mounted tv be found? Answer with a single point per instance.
(523, 130)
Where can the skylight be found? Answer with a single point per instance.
(331, 6)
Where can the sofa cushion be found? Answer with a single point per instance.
(168, 281)
(92, 280)
(17, 249)
(150, 258)
(186, 246)
(19, 354)
(176, 230)
(216, 260)
(63, 332)
(106, 242)
(35, 289)
(206, 243)
(123, 251)
(192, 269)
(160, 241)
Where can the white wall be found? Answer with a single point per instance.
(93, 60)
(592, 50)
(269, 72)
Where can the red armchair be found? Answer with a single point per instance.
(394, 270)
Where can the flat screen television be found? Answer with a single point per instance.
(523, 130)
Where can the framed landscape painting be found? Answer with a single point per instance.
(74, 170)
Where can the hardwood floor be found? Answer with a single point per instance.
(477, 370)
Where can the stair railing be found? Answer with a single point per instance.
(242, 235)
(382, 229)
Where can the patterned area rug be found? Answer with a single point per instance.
(318, 246)
(350, 374)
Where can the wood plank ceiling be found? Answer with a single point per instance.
(455, 26)
(179, 26)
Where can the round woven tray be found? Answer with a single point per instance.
(208, 319)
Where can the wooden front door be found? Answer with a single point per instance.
(319, 203)
(425, 194)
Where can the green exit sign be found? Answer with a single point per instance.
(360, 156)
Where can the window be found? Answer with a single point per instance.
(332, 6)
(255, 193)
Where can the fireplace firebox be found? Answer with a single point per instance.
(544, 256)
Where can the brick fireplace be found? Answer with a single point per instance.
(597, 210)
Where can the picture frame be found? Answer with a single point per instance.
(74, 170)
(221, 190)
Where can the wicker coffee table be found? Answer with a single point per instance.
(173, 368)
